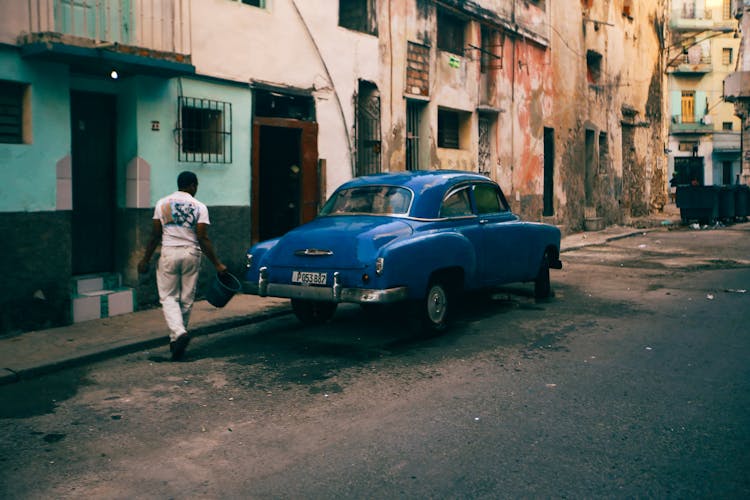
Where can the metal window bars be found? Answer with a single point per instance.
(204, 131)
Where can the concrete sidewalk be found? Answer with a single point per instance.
(35, 353)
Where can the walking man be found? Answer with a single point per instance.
(180, 223)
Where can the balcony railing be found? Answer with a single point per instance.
(156, 25)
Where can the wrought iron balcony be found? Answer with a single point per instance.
(137, 37)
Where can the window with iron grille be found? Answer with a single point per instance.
(204, 130)
(11, 112)
(450, 31)
(358, 15)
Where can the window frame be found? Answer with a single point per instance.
(211, 140)
(502, 203)
(14, 113)
(727, 55)
(365, 18)
(465, 192)
(451, 33)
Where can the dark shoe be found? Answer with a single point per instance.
(178, 346)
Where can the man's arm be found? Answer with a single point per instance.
(208, 248)
(153, 242)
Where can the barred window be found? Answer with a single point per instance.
(204, 130)
(11, 112)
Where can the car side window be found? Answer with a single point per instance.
(488, 199)
(456, 204)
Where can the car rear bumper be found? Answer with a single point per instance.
(336, 293)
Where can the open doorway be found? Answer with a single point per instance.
(285, 175)
(93, 119)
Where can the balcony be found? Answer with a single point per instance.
(698, 19)
(737, 86)
(691, 66)
(727, 142)
(702, 126)
(100, 35)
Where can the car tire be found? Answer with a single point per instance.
(435, 307)
(313, 312)
(542, 286)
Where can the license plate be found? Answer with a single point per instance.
(308, 278)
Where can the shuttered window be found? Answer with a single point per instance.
(448, 129)
(11, 112)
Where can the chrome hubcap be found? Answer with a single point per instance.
(436, 304)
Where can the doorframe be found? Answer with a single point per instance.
(310, 190)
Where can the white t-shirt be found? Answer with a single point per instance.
(180, 214)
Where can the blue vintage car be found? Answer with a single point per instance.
(408, 237)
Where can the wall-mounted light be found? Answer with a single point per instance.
(114, 75)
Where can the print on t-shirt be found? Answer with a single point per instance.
(180, 214)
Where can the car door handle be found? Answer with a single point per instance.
(483, 221)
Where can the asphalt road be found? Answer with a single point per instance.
(633, 381)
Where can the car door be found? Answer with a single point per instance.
(502, 252)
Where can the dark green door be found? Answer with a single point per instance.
(93, 160)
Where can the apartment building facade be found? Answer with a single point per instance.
(704, 133)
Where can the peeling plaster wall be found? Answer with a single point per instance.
(610, 128)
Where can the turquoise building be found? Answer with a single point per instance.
(100, 109)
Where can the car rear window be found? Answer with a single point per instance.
(374, 200)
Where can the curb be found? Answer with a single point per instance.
(8, 376)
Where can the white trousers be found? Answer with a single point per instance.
(176, 280)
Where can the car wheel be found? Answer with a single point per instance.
(542, 287)
(435, 307)
(313, 312)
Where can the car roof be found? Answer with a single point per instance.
(429, 186)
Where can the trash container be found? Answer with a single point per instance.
(741, 201)
(727, 195)
(698, 203)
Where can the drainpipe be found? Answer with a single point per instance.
(333, 85)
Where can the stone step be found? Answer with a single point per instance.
(97, 296)
(92, 282)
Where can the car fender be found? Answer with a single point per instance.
(410, 262)
(258, 251)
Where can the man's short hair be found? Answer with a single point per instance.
(186, 179)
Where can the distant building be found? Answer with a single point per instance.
(737, 85)
(704, 134)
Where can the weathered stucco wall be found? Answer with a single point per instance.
(608, 113)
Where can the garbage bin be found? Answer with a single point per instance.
(727, 195)
(741, 201)
(698, 203)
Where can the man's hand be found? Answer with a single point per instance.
(221, 268)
